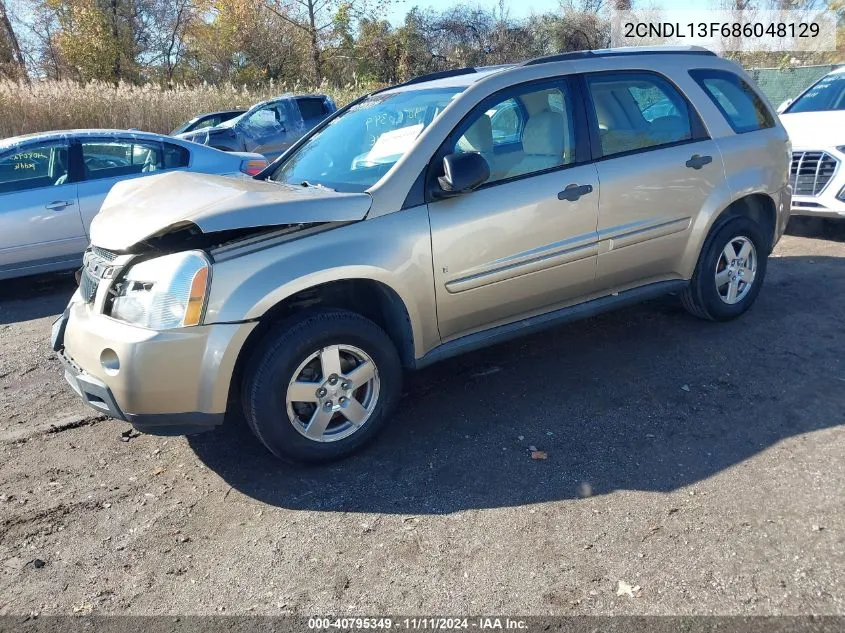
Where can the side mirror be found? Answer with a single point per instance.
(462, 173)
(783, 106)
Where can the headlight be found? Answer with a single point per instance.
(163, 293)
(841, 148)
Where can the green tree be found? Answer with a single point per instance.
(100, 39)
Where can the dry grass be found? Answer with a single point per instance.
(63, 105)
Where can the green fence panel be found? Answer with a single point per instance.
(780, 84)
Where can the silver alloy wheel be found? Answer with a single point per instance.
(333, 393)
(736, 270)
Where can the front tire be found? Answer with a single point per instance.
(730, 271)
(321, 385)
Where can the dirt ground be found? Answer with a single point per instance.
(692, 468)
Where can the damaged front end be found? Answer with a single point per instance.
(162, 282)
(162, 232)
(134, 340)
(137, 211)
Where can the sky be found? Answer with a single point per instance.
(519, 9)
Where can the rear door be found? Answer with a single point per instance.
(39, 211)
(657, 168)
(107, 161)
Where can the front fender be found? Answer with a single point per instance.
(394, 250)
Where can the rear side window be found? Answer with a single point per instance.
(638, 111)
(128, 157)
(739, 104)
(312, 108)
(175, 156)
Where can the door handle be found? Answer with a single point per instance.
(58, 204)
(573, 192)
(697, 162)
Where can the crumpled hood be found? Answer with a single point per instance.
(138, 209)
(811, 130)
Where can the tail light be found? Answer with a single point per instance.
(253, 166)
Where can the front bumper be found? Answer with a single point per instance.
(825, 204)
(827, 207)
(783, 202)
(173, 382)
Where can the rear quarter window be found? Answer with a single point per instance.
(175, 156)
(741, 106)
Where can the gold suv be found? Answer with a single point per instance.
(421, 221)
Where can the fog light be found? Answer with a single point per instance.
(110, 361)
(841, 195)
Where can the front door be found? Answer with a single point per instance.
(525, 241)
(271, 129)
(657, 169)
(39, 210)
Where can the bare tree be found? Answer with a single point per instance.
(320, 20)
(10, 39)
(313, 18)
(168, 34)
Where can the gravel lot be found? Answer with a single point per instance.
(700, 464)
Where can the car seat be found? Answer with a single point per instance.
(61, 166)
(543, 143)
(479, 138)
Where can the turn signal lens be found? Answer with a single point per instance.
(193, 311)
(253, 166)
(164, 292)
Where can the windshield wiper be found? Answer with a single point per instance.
(305, 183)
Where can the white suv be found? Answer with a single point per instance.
(815, 122)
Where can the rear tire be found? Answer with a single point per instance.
(302, 397)
(730, 271)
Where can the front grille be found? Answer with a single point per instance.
(103, 253)
(88, 285)
(810, 172)
(95, 263)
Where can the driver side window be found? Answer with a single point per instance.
(528, 133)
(33, 167)
(268, 118)
(507, 121)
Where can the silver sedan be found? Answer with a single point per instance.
(52, 185)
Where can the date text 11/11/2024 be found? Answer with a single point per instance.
(419, 623)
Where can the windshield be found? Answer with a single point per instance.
(233, 121)
(827, 94)
(183, 127)
(356, 149)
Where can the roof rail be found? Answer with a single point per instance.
(620, 52)
(443, 74)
